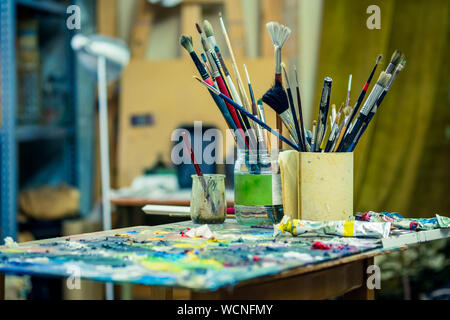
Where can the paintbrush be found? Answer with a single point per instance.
(209, 32)
(278, 34)
(323, 112)
(347, 101)
(242, 92)
(333, 133)
(333, 115)
(339, 126)
(248, 114)
(277, 99)
(186, 42)
(375, 108)
(254, 109)
(198, 170)
(313, 138)
(242, 122)
(207, 67)
(210, 54)
(347, 112)
(262, 117)
(234, 94)
(395, 59)
(360, 98)
(368, 104)
(293, 111)
(300, 113)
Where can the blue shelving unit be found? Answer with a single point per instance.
(73, 138)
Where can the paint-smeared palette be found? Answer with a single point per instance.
(165, 255)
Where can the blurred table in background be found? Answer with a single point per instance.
(129, 208)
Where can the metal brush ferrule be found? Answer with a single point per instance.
(277, 60)
(212, 64)
(371, 99)
(212, 41)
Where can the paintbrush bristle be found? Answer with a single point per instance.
(396, 56)
(209, 31)
(186, 42)
(402, 63)
(383, 79)
(276, 98)
(347, 111)
(278, 33)
(379, 58)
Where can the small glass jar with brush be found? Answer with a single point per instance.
(208, 204)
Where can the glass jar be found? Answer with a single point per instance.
(208, 204)
(257, 188)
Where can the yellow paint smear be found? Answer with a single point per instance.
(188, 245)
(215, 240)
(161, 266)
(13, 250)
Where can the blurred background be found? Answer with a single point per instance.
(49, 145)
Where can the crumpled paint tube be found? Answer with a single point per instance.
(343, 228)
(399, 222)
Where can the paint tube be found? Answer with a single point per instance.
(397, 221)
(343, 228)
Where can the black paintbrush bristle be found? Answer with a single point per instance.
(276, 98)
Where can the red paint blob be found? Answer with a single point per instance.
(318, 245)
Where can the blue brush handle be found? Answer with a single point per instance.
(261, 123)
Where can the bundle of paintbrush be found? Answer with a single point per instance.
(333, 131)
(345, 131)
(246, 117)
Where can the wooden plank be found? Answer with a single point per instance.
(323, 284)
(160, 293)
(107, 17)
(234, 21)
(143, 19)
(271, 11)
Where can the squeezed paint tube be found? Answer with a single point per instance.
(399, 222)
(343, 228)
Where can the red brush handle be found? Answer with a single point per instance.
(188, 146)
(209, 81)
(232, 111)
(223, 89)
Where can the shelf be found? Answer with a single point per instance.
(46, 6)
(41, 132)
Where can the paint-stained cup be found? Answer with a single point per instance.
(208, 204)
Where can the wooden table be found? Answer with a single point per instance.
(345, 276)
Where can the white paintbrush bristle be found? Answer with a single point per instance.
(383, 79)
(278, 33)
